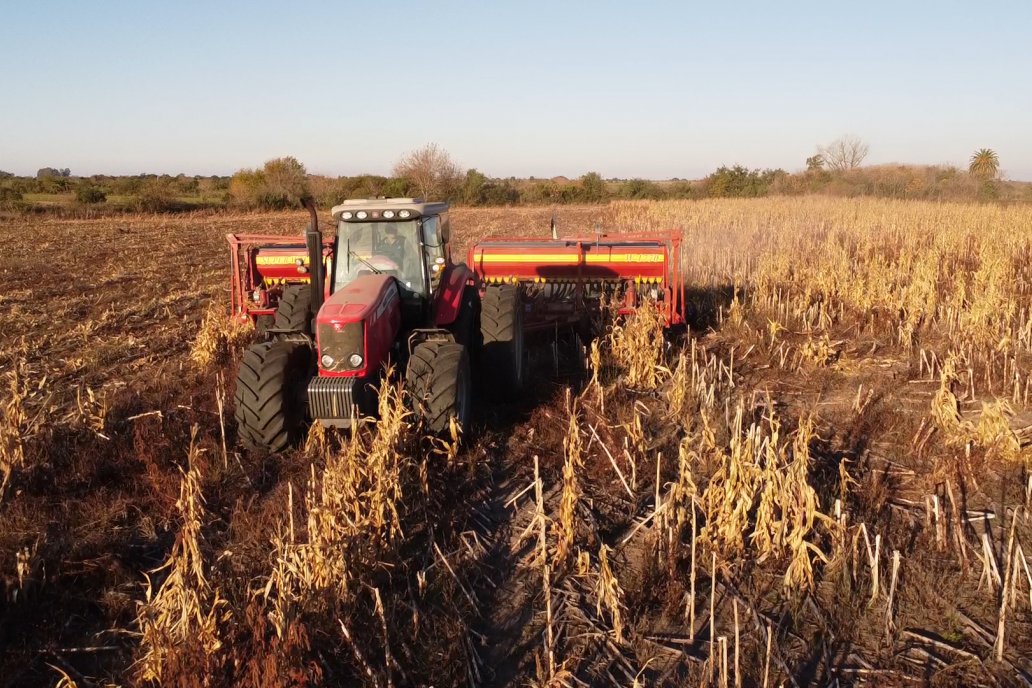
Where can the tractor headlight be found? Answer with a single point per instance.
(404, 214)
(346, 215)
(355, 360)
(327, 361)
(388, 214)
(361, 214)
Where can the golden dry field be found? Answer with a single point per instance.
(826, 481)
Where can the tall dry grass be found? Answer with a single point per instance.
(948, 275)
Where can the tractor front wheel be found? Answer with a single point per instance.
(501, 328)
(438, 383)
(270, 395)
(294, 311)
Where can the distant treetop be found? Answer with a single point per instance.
(844, 153)
(985, 164)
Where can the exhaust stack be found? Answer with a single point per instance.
(313, 238)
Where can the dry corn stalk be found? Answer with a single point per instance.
(13, 426)
(636, 346)
(762, 485)
(186, 614)
(541, 520)
(1009, 578)
(351, 513)
(219, 336)
(608, 594)
(565, 528)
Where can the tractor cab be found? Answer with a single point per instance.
(403, 238)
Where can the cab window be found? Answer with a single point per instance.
(386, 247)
(433, 246)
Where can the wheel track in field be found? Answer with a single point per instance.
(507, 584)
(509, 626)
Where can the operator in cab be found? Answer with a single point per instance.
(392, 246)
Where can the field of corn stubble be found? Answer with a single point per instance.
(826, 482)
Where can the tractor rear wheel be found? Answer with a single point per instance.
(501, 327)
(294, 311)
(270, 395)
(438, 383)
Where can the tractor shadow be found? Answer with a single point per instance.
(703, 305)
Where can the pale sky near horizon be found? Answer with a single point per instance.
(649, 89)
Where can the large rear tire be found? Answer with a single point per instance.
(501, 328)
(272, 382)
(294, 311)
(438, 383)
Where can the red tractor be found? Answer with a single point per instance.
(386, 292)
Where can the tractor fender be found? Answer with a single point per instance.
(448, 304)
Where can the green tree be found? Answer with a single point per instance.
(87, 194)
(985, 164)
(286, 181)
(367, 186)
(740, 182)
(156, 196)
(10, 199)
(541, 192)
(641, 189)
(397, 187)
(593, 188)
(501, 193)
(473, 187)
(248, 187)
(280, 183)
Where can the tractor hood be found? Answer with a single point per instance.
(357, 325)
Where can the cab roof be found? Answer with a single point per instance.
(418, 206)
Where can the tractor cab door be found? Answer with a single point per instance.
(435, 256)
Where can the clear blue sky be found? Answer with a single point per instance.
(658, 90)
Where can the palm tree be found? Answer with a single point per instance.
(985, 163)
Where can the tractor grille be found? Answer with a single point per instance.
(340, 345)
(337, 401)
(332, 398)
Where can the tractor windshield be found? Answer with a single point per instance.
(390, 248)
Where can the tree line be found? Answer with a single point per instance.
(430, 172)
